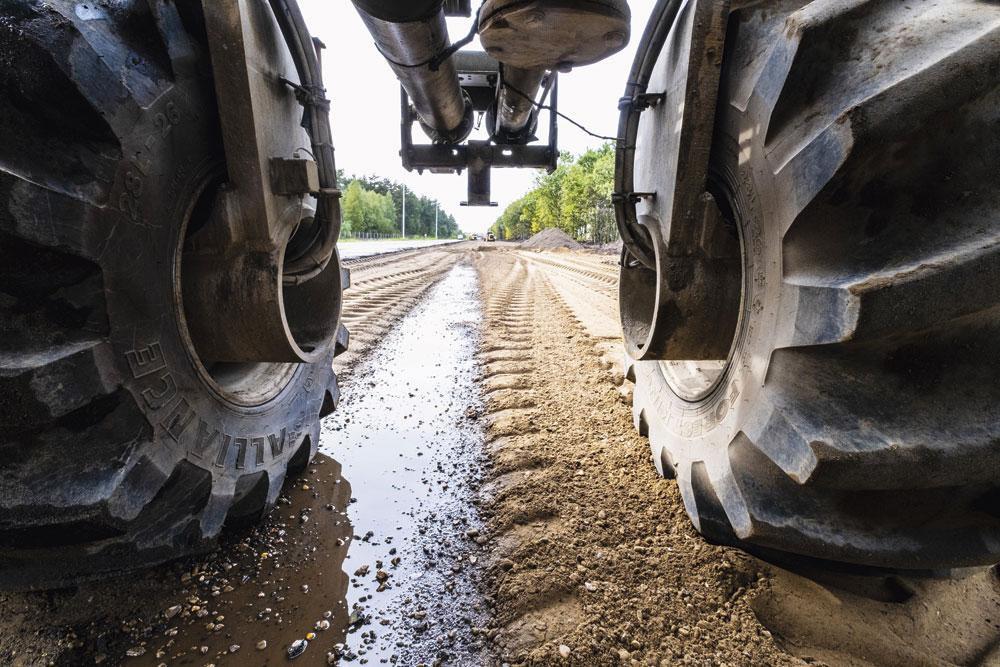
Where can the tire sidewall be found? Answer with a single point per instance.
(169, 154)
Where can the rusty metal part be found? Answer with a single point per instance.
(553, 34)
(411, 48)
(237, 305)
(680, 270)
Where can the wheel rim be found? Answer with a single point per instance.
(242, 384)
(695, 380)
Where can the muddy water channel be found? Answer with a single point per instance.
(371, 555)
(410, 442)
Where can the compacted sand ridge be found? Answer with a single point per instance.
(595, 562)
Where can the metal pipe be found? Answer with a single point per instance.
(410, 37)
(515, 103)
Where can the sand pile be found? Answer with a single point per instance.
(550, 239)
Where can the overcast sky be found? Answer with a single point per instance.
(365, 113)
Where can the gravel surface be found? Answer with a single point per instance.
(595, 560)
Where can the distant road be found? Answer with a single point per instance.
(351, 249)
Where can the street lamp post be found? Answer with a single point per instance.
(404, 210)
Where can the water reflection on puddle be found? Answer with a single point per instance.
(410, 444)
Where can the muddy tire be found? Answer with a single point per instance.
(855, 419)
(120, 446)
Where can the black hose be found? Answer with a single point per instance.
(634, 238)
(311, 94)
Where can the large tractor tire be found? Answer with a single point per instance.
(857, 416)
(120, 446)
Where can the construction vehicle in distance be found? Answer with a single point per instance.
(806, 192)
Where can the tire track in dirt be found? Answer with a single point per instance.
(594, 559)
(587, 285)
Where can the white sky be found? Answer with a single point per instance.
(365, 114)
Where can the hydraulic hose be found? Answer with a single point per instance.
(311, 261)
(634, 238)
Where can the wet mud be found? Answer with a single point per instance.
(263, 588)
(409, 438)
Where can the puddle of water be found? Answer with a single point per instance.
(274, 583)
(408, 438)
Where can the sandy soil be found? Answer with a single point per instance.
(595, 560)
(594, 555)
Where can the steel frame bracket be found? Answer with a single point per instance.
(663, 208)
(477, 74)
(233, 267)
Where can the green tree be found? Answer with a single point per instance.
(419, 209)
(365, 211)
(576, 198)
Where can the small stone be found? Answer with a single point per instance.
(361, 571)
(590, 586)
(297, 648)
(564, 650)
(327, 614)
(381, 576)
(135, 651)
(305, 588)
(624, 655)
(310, 636)
(172, 611)
(323, 625)
(234, 648)
(203, 650)
(262, 644)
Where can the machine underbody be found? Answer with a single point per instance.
(449, 92)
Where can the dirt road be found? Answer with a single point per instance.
(594, 556)
(385, 287)
(491, 503)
